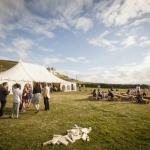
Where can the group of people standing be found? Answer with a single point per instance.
(20, 98)
(38, 91)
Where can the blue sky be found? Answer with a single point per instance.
(99, 41)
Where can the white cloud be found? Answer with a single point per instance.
(50, 60)
(66, 8)
(118, 34)
(100, 41)
(72, 59)
(4, 58)
(9, 13)
(126, 31)
(140, 21)
(104, 33)
(143, 38)
(103, 76)
(2, 44)
(84, 23)
(145, 43)
(78, 59)
(136, 73)
(146, 61)
(21, 47)
(86, 61)
(67, 14)
(44, 49)
(129, 41)
(119, 12)
(41, 30)
(2, 33)
(20, 43)
(97, 69)
(64, 14)
(133, 31)
(129, 74)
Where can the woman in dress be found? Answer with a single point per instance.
(25, 95)
(36, 97)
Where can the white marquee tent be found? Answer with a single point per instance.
(29, 73)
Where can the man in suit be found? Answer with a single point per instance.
(46, 96)
(3, 95)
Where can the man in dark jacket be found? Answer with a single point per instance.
(3, 95)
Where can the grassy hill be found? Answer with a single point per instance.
(6, 64)
(67, 78)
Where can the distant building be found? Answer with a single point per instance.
(52, 70)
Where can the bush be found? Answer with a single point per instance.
(119, 86)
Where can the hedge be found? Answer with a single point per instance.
(119, 86)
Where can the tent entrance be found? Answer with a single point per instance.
(71, 87)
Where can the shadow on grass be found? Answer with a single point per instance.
(5, 118)
(109, 101)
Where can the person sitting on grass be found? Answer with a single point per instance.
(94, 94)
(139, 98)
(144, 92)
(129, 95)
(103, 94)
(99, 95)
(132, 91)
(110, 95)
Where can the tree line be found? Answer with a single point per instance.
(104, 85)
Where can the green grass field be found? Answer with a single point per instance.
(115, 125)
